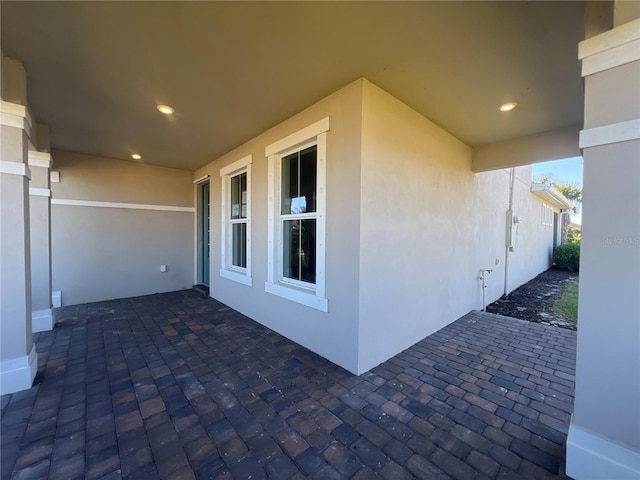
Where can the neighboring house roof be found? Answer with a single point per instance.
(550, 195)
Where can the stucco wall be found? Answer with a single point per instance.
(532, 240)
(608, 374)
(15, 258)
(333, 334)
(101, 253)
(428, 225)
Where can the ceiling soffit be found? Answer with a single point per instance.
(96, 70)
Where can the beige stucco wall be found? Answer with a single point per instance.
(532, 240)
(89, 177)
(40, 252)
(103, 253)
(428, 225)
(333, 334)
(409, 226)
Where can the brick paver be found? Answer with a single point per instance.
(175, 386)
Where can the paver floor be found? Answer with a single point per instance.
(175, 386)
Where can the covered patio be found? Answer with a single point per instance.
(176, 386)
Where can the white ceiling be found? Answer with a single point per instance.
(96, 70)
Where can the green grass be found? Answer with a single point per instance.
(567, 304)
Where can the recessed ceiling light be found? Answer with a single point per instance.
(166, 109)
(507, 107)
(136, 156)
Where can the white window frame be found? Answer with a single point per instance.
(228, 270)
(547, 215)
(311, 295)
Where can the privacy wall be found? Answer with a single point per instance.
(332, 334)
(114, 223)
(428, 225)
(408, 228)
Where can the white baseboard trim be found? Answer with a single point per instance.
(56, 299)
(18, 373)
(590, 456)
(42, 320)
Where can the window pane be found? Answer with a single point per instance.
(299, 175)
(239, 244)
(308, 175)
(239, 196)
(289, 182)
(299, 250)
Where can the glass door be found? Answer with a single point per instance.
(206, 230)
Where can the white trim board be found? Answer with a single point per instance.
(39, 192)
(40, 159)
(42, 320)
(134, 206)
(236, 166)
(201, 179)
(236, 277)
(595, 457)
(610, 49)
(15, 168)
(620, 35)
(618, 132)
(18, 373)
(17, 116)
(300, 136)
(297, 295)
(621, 55)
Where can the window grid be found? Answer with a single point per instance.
(236, 221)
(304, 292)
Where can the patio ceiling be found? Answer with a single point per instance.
(97, 70)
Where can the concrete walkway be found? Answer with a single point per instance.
(175, 386)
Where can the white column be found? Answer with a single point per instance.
(604, 436)
(18, 358)
(40, 215)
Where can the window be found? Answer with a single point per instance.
(236, 221)
(547, 215)
(296, 254)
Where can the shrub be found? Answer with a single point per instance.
(567, 257)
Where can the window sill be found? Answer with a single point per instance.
(237, 277)
(297, 295)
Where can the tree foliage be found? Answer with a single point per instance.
(573, 235)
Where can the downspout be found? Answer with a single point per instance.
(509, 226)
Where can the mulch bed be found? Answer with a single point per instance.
(534, 300)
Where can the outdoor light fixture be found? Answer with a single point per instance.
(136, 156)
(507, 107)
(166, 109)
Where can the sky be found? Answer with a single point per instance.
(564, 171)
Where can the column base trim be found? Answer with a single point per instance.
(18, 373)
(56, 299)
(42, 320)
(594, 457)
